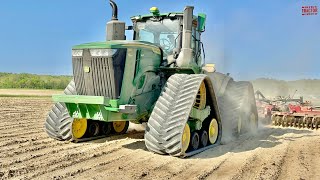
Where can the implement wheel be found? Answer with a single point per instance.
(79, 128)
(120, 127)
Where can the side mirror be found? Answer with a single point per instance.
(202, 22)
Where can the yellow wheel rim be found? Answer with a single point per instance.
(118, 126)
(200, 102)
(79, 127)
(213, 131)
(185, 138)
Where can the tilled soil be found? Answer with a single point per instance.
(27, 153)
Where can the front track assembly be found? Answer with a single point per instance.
(171, 129)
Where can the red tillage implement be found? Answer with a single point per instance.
(301, 115)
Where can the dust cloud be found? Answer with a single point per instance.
(136, 127)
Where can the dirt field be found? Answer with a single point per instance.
(28, 92)
(27, 153)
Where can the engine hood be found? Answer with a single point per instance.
(116, 44)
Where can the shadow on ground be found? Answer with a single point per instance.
(266, 137)
(132, 135)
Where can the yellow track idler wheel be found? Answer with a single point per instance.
(185, 138)
(213, 131)
(79, 128)
(120, 127)
(93, 129)
(200, 102)
(195, 141)
(204, 138)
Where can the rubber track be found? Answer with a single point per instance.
(58, 121)
(165, 126)
(231, 104)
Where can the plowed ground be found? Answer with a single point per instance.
(27, 153)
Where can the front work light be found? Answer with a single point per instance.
(102, 52)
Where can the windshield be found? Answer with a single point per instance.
(163, 33)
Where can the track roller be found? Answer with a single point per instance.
(93, 128)
(195, 141)
(106, 128)
(204, 138)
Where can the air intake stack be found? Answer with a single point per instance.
(115, 28)
(185, 57)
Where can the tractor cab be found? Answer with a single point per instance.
(166, 31)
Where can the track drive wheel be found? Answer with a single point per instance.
(120, 127)
(79, 128)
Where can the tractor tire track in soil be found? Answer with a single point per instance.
(27, 152)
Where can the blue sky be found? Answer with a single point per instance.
(249, 39)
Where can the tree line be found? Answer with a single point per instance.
(33, 81)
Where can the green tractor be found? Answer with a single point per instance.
(158, 78)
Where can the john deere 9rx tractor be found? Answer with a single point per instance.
(159, 78)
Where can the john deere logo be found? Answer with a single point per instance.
(86, 69)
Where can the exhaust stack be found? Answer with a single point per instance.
(114, 10)
(115, 29)
(185, 57)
